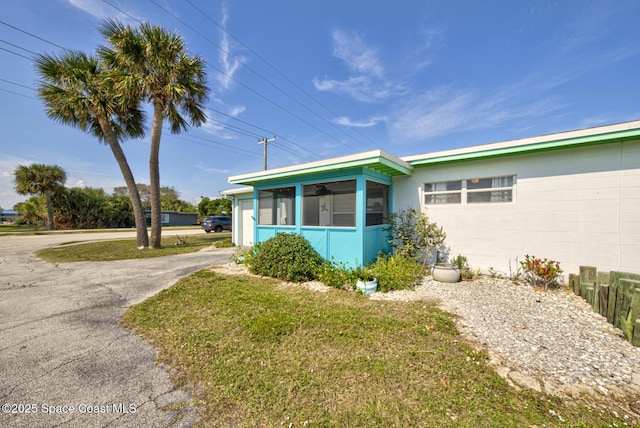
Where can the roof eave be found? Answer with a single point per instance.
(484, 152)
(377, 160)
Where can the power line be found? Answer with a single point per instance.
(33, 35)
(15, 53)
(258, 74)
(17, 93)
(236, 80)
(17, 84)
(284, 76)
(19, 47)
(303, 149)
(122, 11)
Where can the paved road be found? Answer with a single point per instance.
(61, 344)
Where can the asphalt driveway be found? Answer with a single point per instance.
(64, 360)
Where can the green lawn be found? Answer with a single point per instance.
(123, 249)
(17, 228)
(262, 354)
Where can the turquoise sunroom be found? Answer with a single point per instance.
(338, 204)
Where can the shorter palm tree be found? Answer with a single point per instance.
(78, 90)
(40, 179)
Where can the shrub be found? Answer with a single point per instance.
(395, 272)
(336, 274)
(465, 271)
(412, 234)
(286, 256)
(540, 272)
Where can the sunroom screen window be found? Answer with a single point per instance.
(329, 204)
(377, 203)
(277, 206)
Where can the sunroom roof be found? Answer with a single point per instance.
(376, 160)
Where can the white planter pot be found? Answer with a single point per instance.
(445, 273)
(367, 287)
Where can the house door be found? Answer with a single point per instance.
(247, 226)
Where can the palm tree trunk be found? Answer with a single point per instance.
(154, 175)
(47, 197)
(142, 238)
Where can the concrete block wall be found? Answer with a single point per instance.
(578, 206)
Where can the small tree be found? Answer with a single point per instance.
(40, 179)
(413, 235)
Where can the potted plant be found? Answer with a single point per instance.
(366, 282)
(445, 272)
(465, 271)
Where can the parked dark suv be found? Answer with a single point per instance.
(216, 223)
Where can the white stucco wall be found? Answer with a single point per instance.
(580, 206)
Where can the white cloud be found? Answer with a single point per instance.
(445, 110)
(367, 82)
(373, 121)
(98, 9)
(215, 124)
(230, 62)
(236, 111)
(359, 57)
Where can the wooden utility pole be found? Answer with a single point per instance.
(265, 142)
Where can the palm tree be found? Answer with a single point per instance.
(40, 179)
(163, 73)
(79, 90)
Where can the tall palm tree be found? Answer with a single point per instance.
(40, 179)
(79, 90)
(162, 73)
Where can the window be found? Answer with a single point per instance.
(501, 190)
(277, 206)
(444, 192)
(329, 204)
(470, 191)
(377, 203)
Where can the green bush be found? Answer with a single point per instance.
(395, 272)
(286, 256)
(336, 274)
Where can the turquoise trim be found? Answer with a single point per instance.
(354, 246)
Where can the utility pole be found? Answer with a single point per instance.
(265, 142)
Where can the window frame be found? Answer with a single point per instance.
(466, 190)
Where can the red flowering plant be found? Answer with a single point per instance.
(541, 272)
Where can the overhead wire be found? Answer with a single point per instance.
(300, 153)
(274, 68)
(32, 35)
(245, 85)
(229, 76)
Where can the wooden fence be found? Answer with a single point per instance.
(614, 295)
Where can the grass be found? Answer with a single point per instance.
(126, 248)
(17, 228)
(262, 354)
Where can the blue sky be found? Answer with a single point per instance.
(331, 78)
